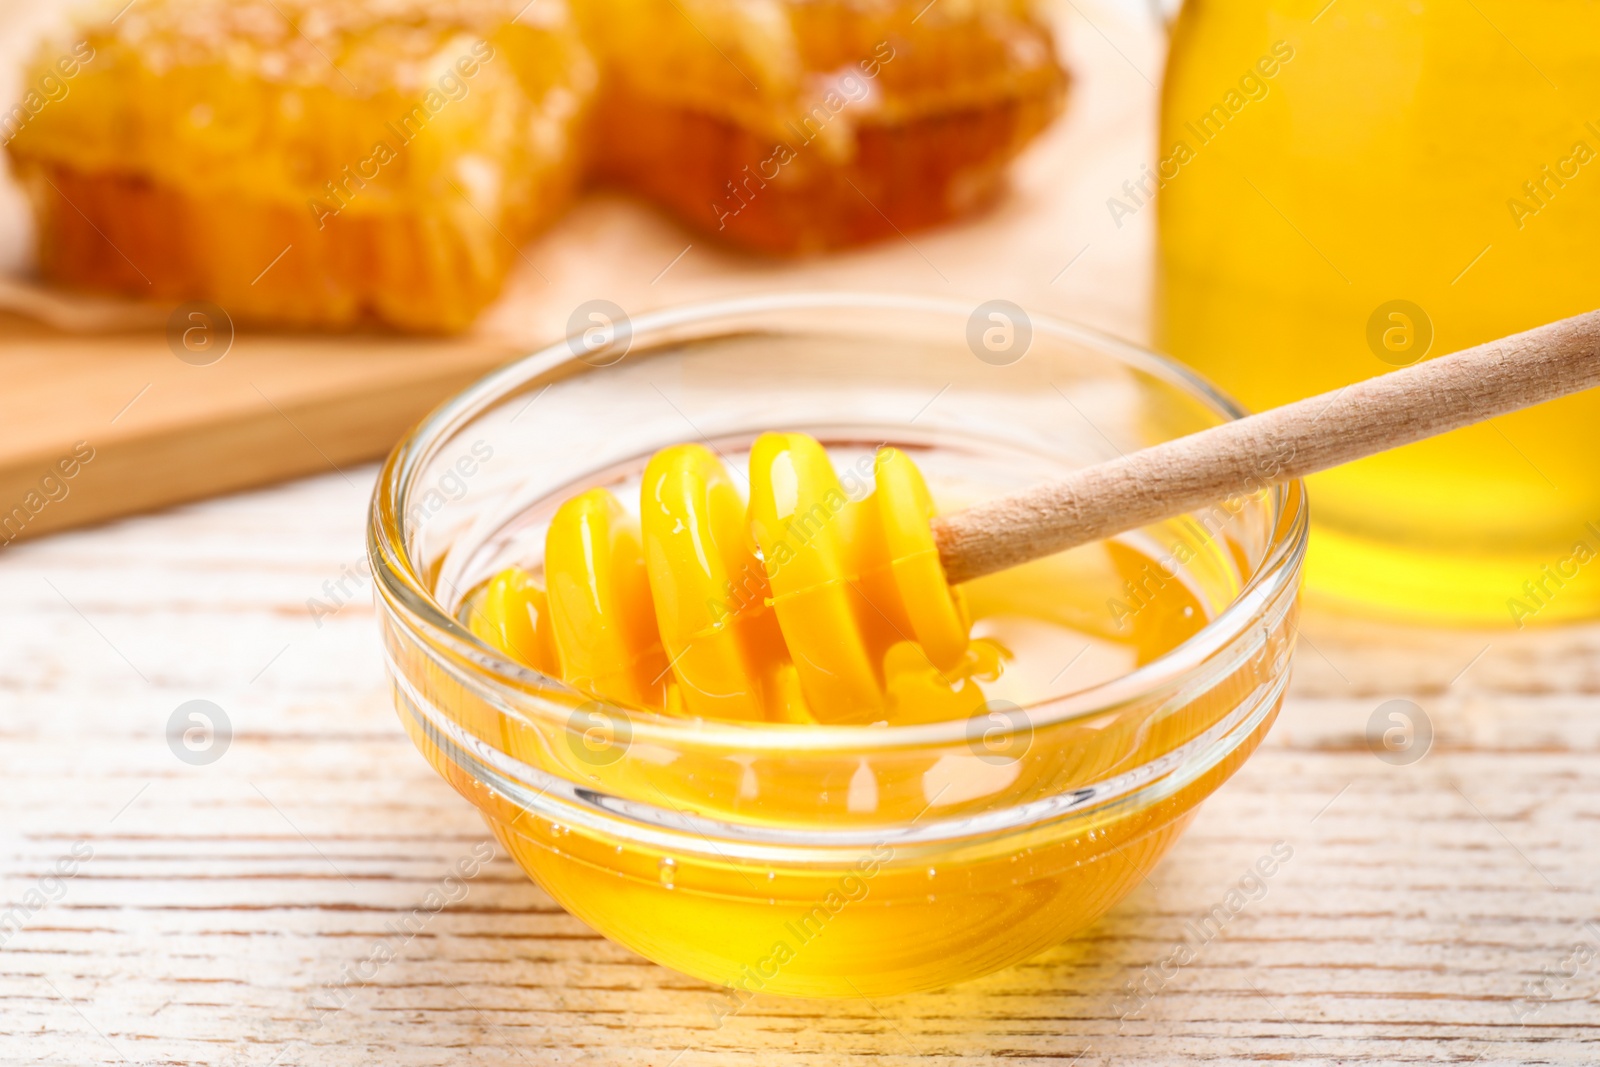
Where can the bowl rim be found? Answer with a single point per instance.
(408, 598)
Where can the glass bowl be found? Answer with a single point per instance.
(827, 860)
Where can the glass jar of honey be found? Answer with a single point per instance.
(1350, 186)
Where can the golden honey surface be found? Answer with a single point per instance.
(651, 611)
(815, 601)
(1385, 183)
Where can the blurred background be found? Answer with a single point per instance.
(435, 275)
(365, 206)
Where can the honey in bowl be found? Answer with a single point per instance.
(1351, 187)
(813, 604)
(945, 824)
(1059, 626)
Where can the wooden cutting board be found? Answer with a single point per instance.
(100, 426)
(162, 430)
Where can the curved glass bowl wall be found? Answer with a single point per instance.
(825, 860)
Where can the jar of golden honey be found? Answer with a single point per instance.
(1353, 185)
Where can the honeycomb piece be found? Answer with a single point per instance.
(315, 164)
(794, 126)
(308, 163)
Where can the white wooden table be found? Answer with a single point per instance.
(220, 911)
(212, 913)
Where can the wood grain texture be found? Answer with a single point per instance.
(221, 902)
(161, 431)
(1250, 454)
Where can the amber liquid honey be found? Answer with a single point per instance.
(886, 917)
(1413, 179)
(887, 921)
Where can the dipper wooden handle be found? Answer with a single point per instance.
(1285, 443)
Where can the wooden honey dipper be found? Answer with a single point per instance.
(1359, 420)
(660, 610)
